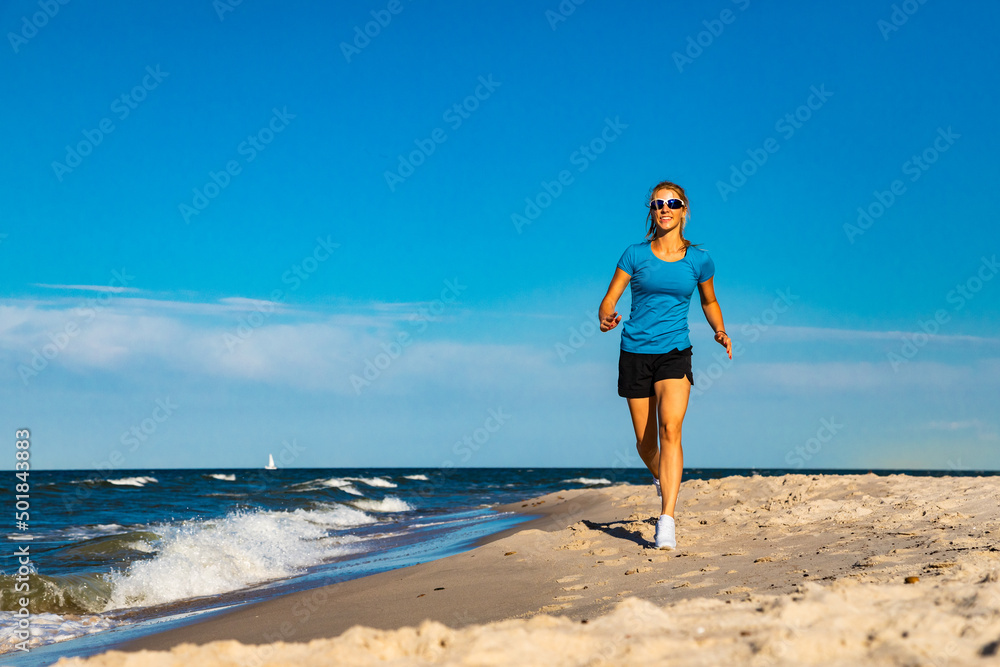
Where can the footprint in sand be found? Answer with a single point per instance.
(604, 551)
(643, 529)
(554, 607)
(692, 573)
(566, 580)
(575, 587)
(563, 598)
(575, 545)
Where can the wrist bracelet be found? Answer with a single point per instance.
(721, 331)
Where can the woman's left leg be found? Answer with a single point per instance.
(671, 401)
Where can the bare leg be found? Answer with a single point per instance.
(643, 411)
(672, 400)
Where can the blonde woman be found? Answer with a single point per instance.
(654, 367)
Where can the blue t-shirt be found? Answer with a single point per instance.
(661, 297)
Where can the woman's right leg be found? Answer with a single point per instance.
(643, 411)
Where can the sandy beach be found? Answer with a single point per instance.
(790, 570)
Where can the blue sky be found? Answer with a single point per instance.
(217, 216)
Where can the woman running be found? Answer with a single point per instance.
(654, 369)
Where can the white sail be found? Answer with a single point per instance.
(270, 463)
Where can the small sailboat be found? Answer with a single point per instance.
(270, 463)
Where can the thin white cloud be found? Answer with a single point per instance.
(953, 425)
(349, 312)
(983, 430)
(89, 288)
(244, 303)
(802, 378)
(789, 334)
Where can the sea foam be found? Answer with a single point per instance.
(133, 481)
(374, 481)
(242, 549)
(387, 504)
(49, 628)
(342, 484)
(589, 481)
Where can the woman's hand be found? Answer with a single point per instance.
(611, 321)
(723, 339)
(615, 289)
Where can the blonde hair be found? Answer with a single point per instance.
(667, 185)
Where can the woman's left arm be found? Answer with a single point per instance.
(713, 313)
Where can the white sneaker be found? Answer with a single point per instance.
(665, 538)
(656, 483)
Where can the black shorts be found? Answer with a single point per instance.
(637, 372)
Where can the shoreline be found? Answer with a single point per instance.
(767, 569)
(371, 600)
(533, 512)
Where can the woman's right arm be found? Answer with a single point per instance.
(607, 314)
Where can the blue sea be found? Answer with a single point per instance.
(126, 552)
